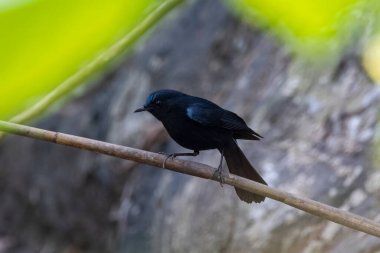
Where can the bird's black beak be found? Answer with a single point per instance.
(142, 109)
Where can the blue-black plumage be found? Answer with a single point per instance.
(199, 124)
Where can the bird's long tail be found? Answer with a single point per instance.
(239, 165)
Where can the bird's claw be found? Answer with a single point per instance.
(169, 156)
(218, 174)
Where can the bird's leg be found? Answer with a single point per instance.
(172, 156)
(218, 173)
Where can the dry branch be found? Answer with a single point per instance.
(333, 214)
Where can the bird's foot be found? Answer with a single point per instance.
(168, 156)
(218, 174)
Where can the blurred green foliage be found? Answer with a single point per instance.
(43, 42)
(312, 28)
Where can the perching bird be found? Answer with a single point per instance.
(198, 124)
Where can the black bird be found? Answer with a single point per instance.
(198, 124)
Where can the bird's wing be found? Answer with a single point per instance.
(232, 121)
(203, 114)
(215, 116)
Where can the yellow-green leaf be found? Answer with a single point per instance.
(43, 42)
(311, 27)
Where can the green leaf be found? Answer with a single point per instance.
(43, 42)
(312, 27)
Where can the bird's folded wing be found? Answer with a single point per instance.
(210, 116)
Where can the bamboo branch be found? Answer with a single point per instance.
(333, 214)
(98, 63)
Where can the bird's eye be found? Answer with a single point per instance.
(158, 102)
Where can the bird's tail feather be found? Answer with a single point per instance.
(239, 165)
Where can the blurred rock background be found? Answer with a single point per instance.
(319, 127)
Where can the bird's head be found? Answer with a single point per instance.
(158, 102)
